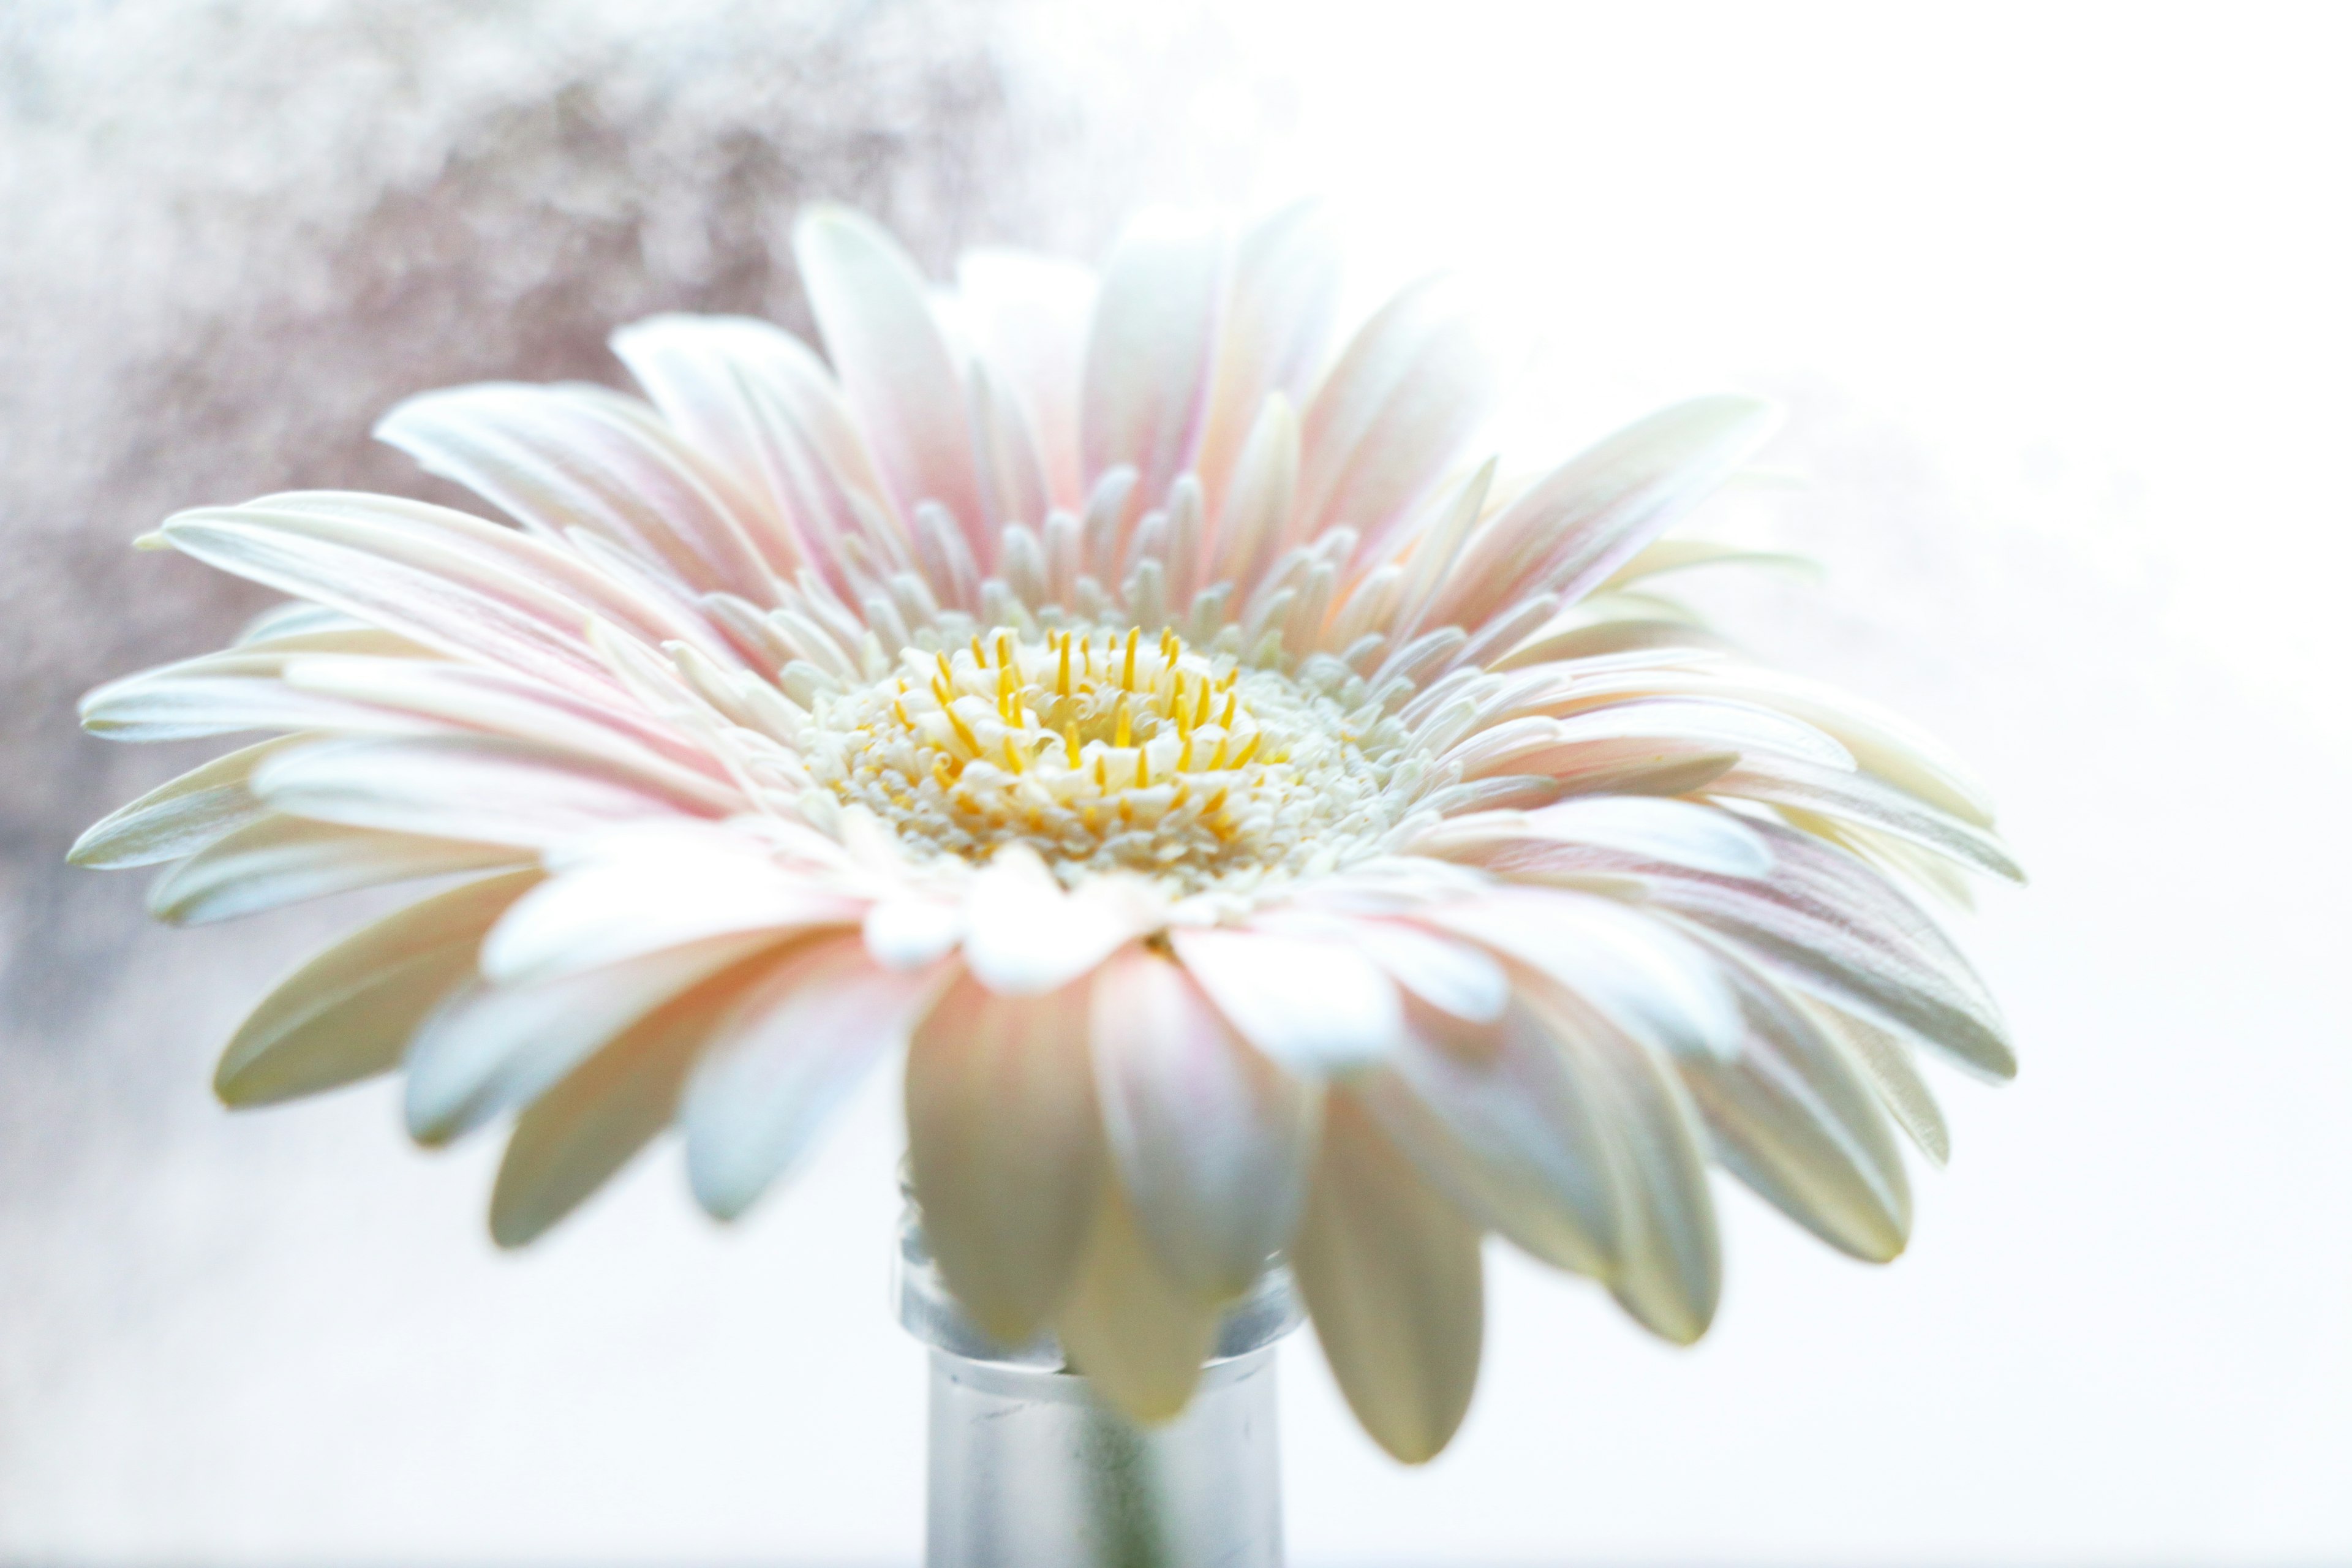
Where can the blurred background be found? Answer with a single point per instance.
(2056, 299)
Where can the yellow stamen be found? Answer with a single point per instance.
(1126, 678)
(979, 654)
(947, 670)
(1249, 749)
(1184, 757)
(1012, 757)
(1069, 742)
(1004, 647)
(1201, 717)
(898, 711)
(1102, 772)
(1124, 732)
(1226, 720)
(963, 730)
(1183, 791)
(1218, 759)
(1062, 685)
(1210, 806)
(1142, 768)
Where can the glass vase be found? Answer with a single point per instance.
(1029, 1469)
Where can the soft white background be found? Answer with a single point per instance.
(2057, 300)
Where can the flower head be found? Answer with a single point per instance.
(1270, 836)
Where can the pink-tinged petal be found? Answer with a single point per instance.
(462, 586)
(1151, 355)
(1670, 1270)
(1314, 1006)
(1028, 317)
(557, 458)
(872, 308)
(1023, 935)
(647, 890)
(1594, 833)
(1392, 1277)
(1647, 978)
(1213, 1141)
(1004, 1145)
(487, 1050)
(178, 819)
(1589, 516)
(1793, 784)
(1278, 329)
(1837, 928)
(587, 1125)
(1515, 1129)
(348, 1014)
(162, 707)
(1391, 418)
(1254, 520)
(1138, 1336)
(1455, 976)
(1790, 1117)
(279, 860)
(788, 1054)
(479, 788)
(1012, 471)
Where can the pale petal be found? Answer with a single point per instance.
(1212, 1141)
(1795, 1121)
(1392, 1277)
(1314, 1006)
(180, 817)
(1253, 520)
(909, 931)
(572, 1137)
(789, 1051)
(1586, 518)
(1677, 832)
(1892, 1067)
(1023, 935)
(1409, 390)
(476, 788)
(1138, 1338)
(1029, 316)
(1837, 928)
(561, 457)
(486, 1050)
(1004, 1145)
(1858, 797)
(1515, 1129)
(277, 860)
(872, 308)
(1277, 329)
(348, 1014)
(1152, 352)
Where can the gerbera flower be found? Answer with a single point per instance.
(1272, 838)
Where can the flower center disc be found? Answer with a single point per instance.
(1104, 750)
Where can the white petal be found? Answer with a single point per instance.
(790, 1052)
(654, 890)
(1596, 832)
(1392, 1277)
(561, 457)
(1586, 518)
(1839, 929)
(1212, 1141)
(1277, 329)
(1152, 351)
(348, 1014)
(455, 786)
(1004, 1145)
(1316, 1006)
(179, 817)
(279, 860)
(871, 305)
(1028, 317)
(487, 1050)
(1023, 935)
(907, 932)
(1409, 390)
(1795, 1121)
(1858, 797)
(1892, 1067)
(589, 1124)
(1513, 1133)
(1137, 1337)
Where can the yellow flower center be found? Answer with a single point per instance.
(1102, 749)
